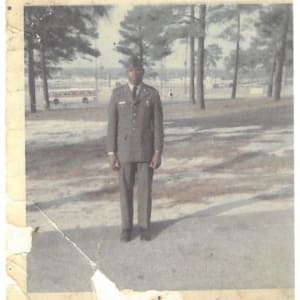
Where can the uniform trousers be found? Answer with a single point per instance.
(141, 174)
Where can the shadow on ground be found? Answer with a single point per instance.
(204, 250)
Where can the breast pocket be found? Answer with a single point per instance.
(124, 110)
(124, 117)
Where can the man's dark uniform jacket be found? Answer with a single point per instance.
(135, 126)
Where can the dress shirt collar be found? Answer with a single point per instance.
(138, 87)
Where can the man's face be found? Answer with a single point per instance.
(135, 75)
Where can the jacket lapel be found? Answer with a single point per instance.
(127, 92)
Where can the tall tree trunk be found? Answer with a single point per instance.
(96, 79)
(31, 77)
(161, 77)
(109, 80)
(200, 56)
(270, 84)
(286, 74)
(237, 54)
(281, 54)
(141, 54)
(140, 44)
(44, 75)
(192, 60)
(185, 67)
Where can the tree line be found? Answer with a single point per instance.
(59, 33)
(149, 32)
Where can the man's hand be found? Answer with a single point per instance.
(156, 160)
(114, 162)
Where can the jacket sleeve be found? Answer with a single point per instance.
(158, 125)
(112, 126)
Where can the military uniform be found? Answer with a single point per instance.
(134, 133)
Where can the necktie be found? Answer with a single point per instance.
(134, 92)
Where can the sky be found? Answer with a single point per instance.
(109, 37)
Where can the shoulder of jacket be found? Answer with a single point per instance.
(118, 92)
(151, 89)
(119, 89)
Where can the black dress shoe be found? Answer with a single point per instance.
(125, 235)
(145, 234)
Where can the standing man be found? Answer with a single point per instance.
(134, 144)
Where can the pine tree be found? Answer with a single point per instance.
(200, 56)
(60, 33)
(269, 30)
(281, 52)
(192, 59)
(145, 34)
(230, 17)
(31, 76)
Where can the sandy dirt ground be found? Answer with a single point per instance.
(222, 200)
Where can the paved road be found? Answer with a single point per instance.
(222, 218)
